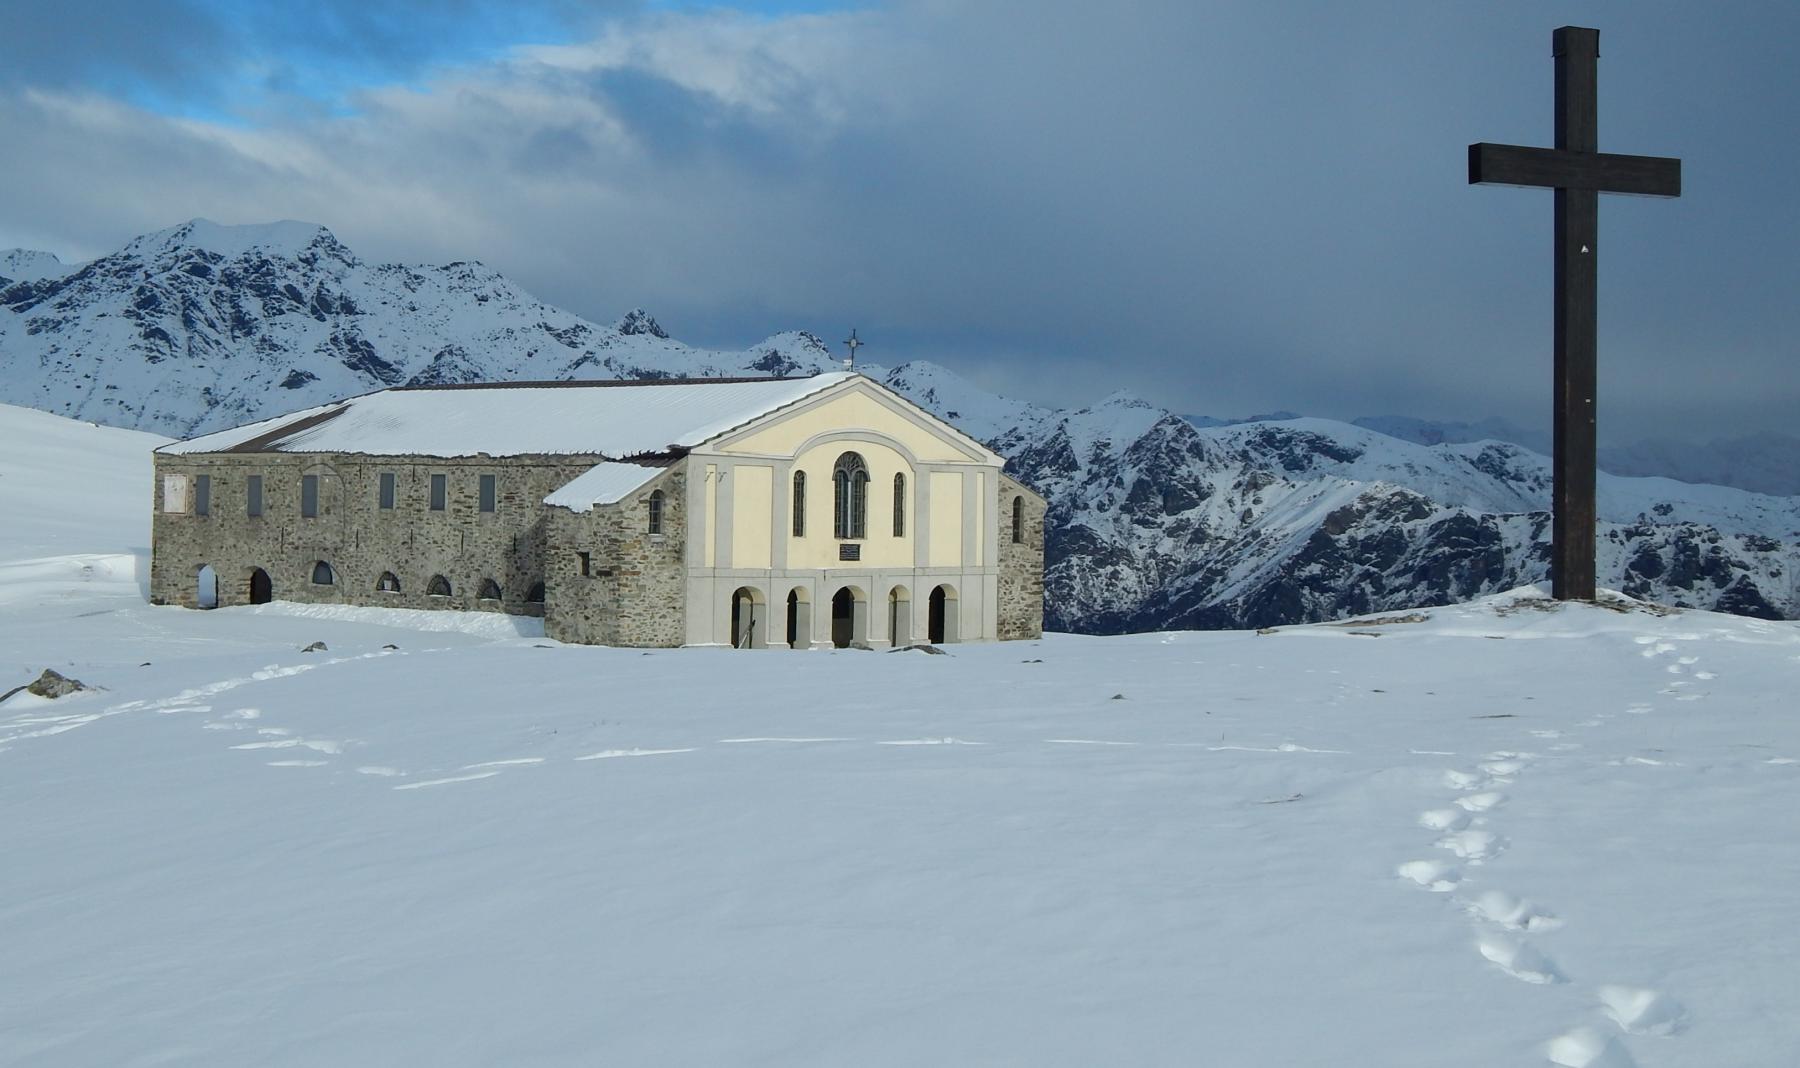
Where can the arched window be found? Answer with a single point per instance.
(656, 509)
(850, 497)
(490, 590)
(439, 586)
(799, 504)
(1018, 520)
(388, 583)
(899, 506)
(322, 575)
(535, 595)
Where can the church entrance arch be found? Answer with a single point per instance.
(206, 589)
(941, 615)
(849, 617)
(900, 616)
(262, 591)
(799, 618)
(749, 619)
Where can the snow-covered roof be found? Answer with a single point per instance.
(604, 483)
(614, 419)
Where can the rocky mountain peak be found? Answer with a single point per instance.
(202, 326)
(638, 322)
(29, 265)
(1119, 398)
(285, 239)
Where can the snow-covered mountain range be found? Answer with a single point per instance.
(1154, 522)
(203, 326)
(1764, 462)
(1157, 522)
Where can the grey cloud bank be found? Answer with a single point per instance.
(1225, 210)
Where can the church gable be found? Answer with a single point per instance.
(857, 409)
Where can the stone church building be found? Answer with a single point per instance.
(757, 513)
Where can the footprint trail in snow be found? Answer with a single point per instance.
(1505, 923)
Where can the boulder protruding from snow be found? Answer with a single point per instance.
(51, 684)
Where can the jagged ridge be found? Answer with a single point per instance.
(203, 326)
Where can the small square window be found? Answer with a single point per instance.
(438, 492)
(387, 489)
(487, 493)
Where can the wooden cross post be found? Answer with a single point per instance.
(1579, 172)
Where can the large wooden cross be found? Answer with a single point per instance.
(1579, 172)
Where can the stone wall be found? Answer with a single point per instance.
(353, 534)
(634, 593)
(1021, 593)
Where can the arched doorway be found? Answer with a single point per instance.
(849, 617)
(941, 616)
(799, 619)
(262, 591)
(900, 616)
(749, 622)
(206, 592)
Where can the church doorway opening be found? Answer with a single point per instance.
(206, 591)
(262, 591)
(849, 618)
(940, 616)
(900, 616)
(749, 625)
(799, 619)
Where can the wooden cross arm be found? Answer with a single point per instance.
(1649, 176)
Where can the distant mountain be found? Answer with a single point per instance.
(1154, 522)
(1446, 432)
(1205, 422)
(1766, 463)
(27, 265)
(1762, 463)
(203, 326)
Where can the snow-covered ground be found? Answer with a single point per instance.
(1501, 834)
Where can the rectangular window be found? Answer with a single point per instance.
(487, 493)
(387, 489)
(309, 496)
(437, 492)
(253, 495)
(203, 495)
(585, 563)
(174, 493)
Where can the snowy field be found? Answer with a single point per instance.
(1505, 834)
